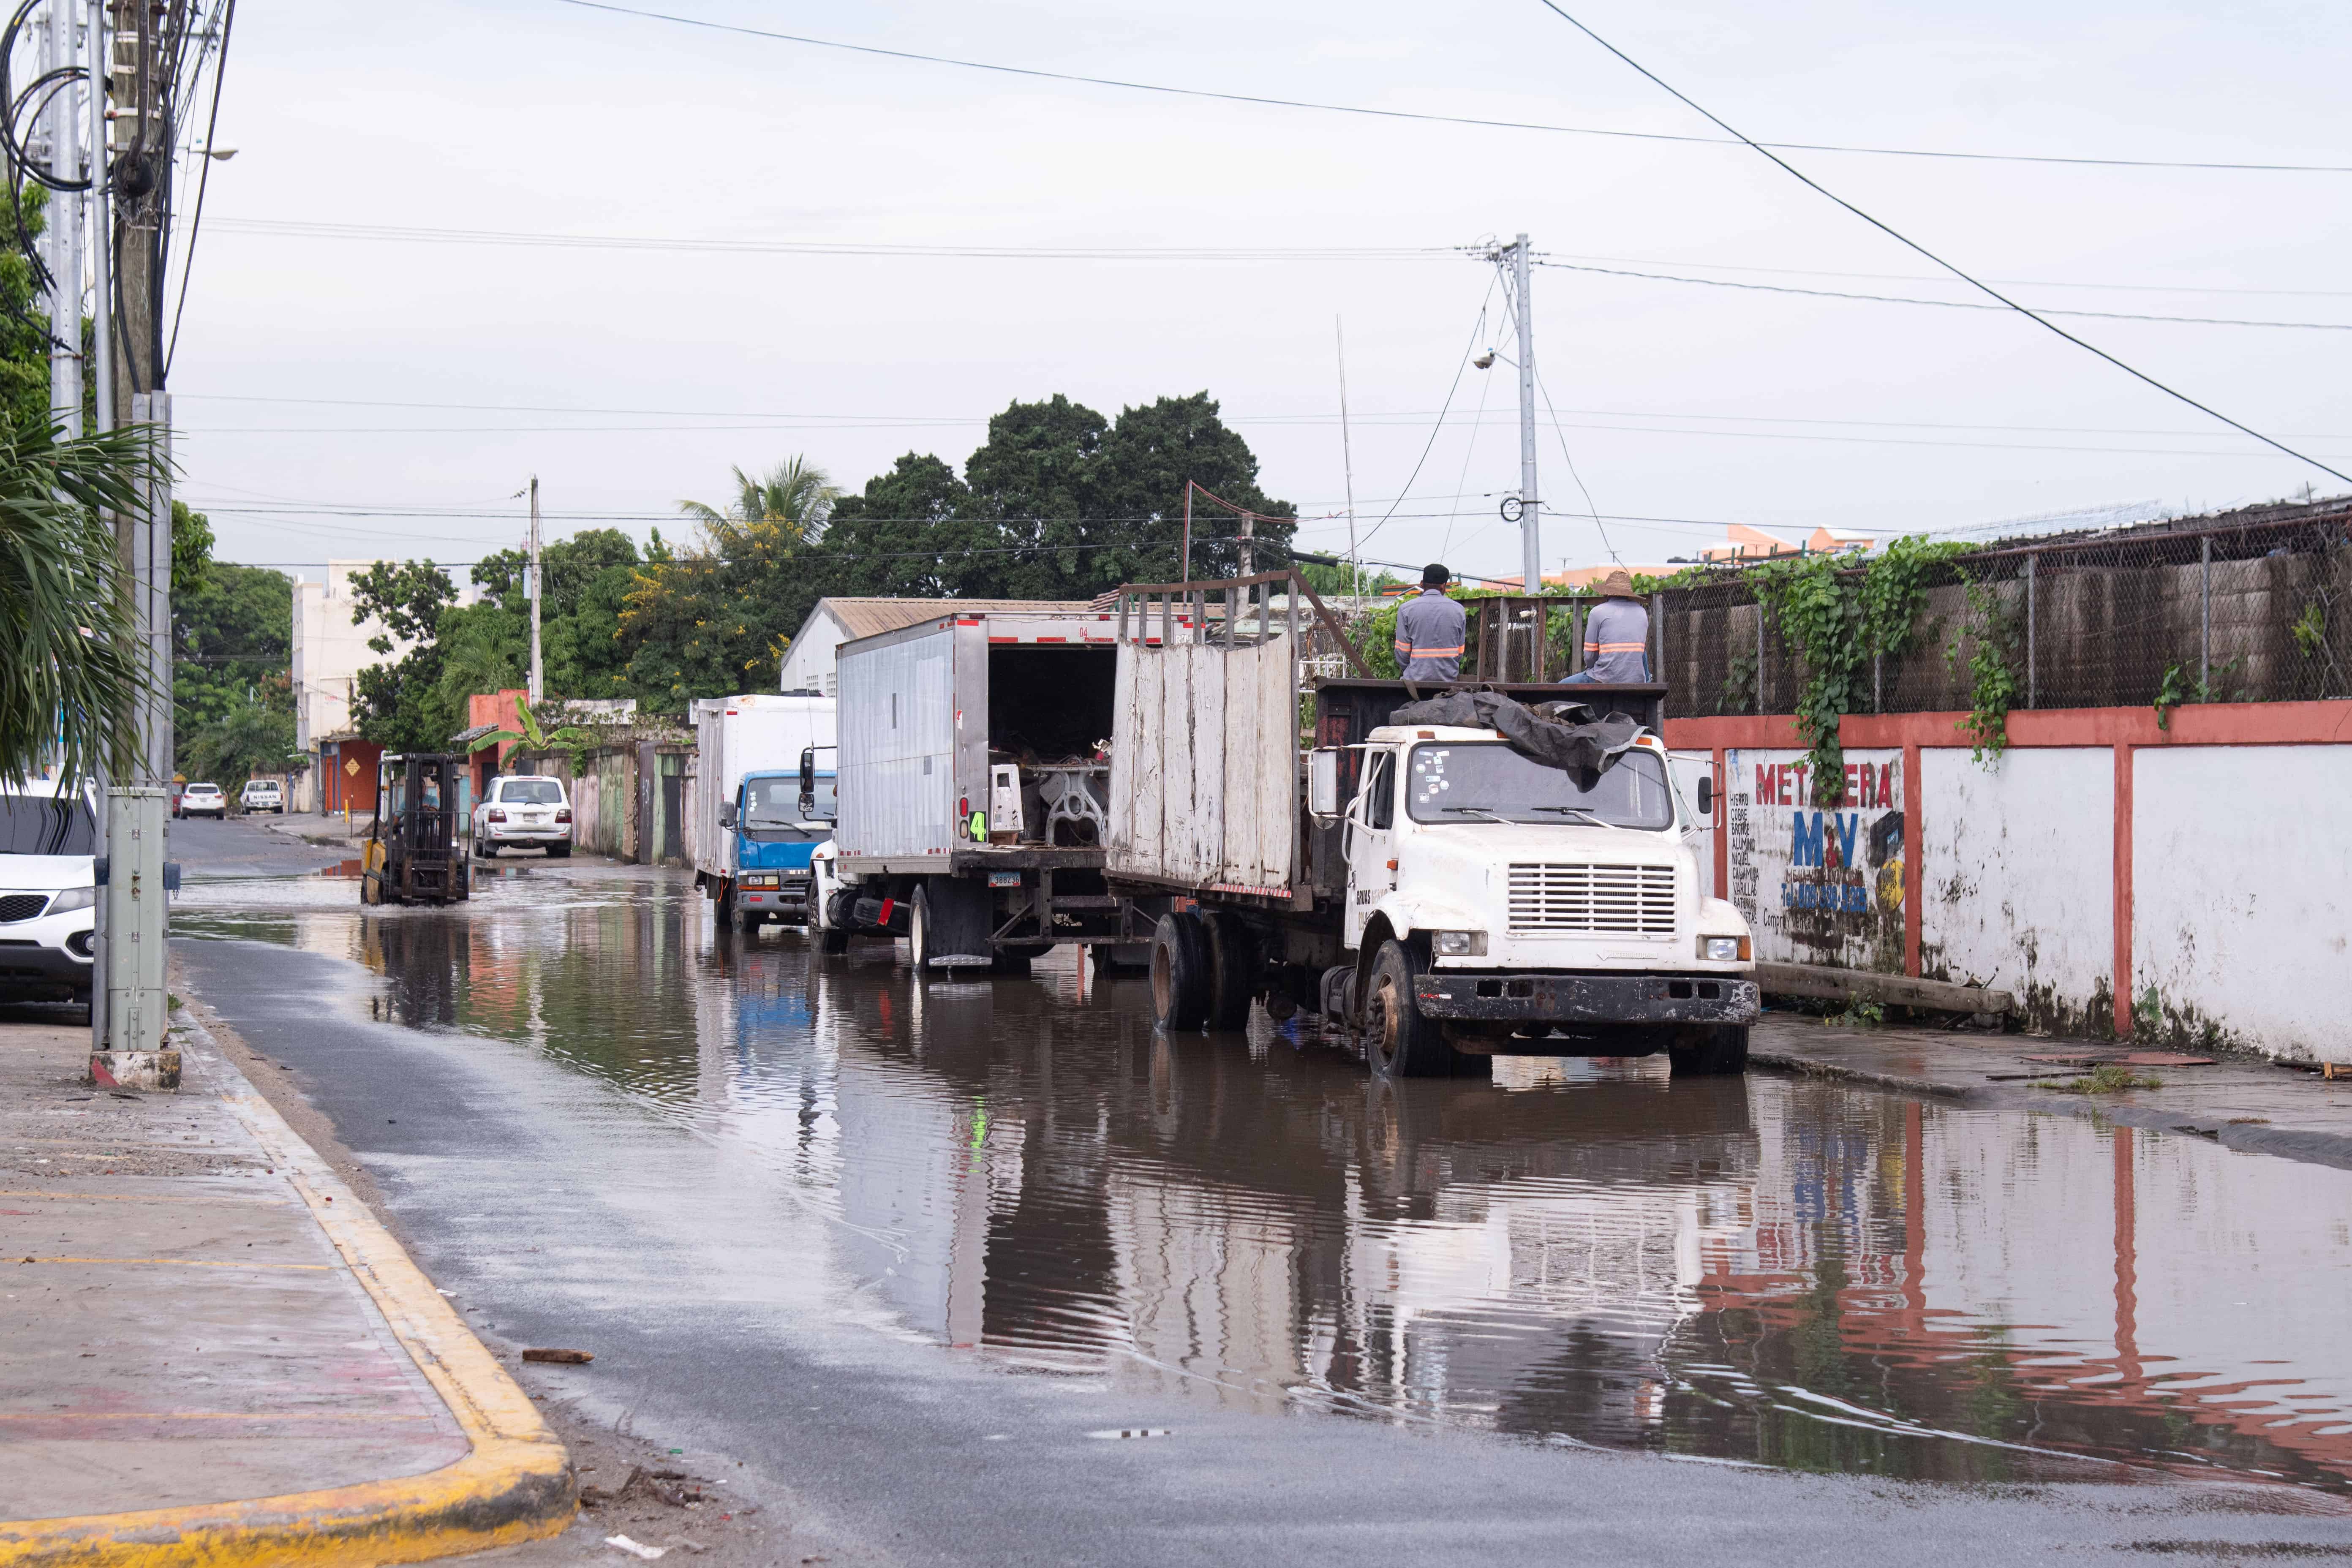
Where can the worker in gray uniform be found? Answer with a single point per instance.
(1429, 629)
(1616, 637)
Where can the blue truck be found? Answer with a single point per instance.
(755, 819)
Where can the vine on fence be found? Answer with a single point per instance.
(1839, 614)
(1992, 667)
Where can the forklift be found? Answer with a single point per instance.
(412, 855)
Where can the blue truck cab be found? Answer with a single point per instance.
(772, 829)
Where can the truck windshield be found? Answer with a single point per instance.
(30, 825)
(775, 803)
(1485, 780)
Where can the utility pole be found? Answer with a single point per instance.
(1530, 527)
(62, 153)
(1348, 463)
(101, 221)
(538, 690)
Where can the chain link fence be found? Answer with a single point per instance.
(2249, 606)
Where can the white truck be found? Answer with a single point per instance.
(750, 829)
(972, 785)
(1441, 887)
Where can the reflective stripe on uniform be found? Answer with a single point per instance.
(1420, 652)
(1610, 648)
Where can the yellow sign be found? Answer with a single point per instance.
(352, 766)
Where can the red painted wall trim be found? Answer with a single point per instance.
(1915, 860)
(1722, 828)
(2205, 724)
(2122, 915)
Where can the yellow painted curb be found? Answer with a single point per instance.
(516, 1485)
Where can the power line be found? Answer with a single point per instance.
(1906, 240)
(1476, 328)
(1942, 304)
(1261, 100)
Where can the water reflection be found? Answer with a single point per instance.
(1802, 1274)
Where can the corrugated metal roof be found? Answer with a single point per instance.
(864, 617)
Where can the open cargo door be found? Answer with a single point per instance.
(1204, 765)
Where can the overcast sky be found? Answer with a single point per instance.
(421, 382)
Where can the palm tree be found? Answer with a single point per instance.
(70, 672)
(795, 493)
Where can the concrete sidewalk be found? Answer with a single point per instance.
(214, 1351)
(2243, 1102)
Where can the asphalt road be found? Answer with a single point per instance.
(560, 1210)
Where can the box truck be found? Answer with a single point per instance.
(751, 830)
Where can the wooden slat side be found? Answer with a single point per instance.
(1174, 719)
(1120, 804)
(1245, 667)
(1205, 842)
(1277, 778)
(1150, 738)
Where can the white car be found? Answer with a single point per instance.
(262, 795)
(203, 800)
(527, 813)
(48, 894)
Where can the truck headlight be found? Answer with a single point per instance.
(761, 879)
(1723, 949)
(73, 899)
(1462, 944)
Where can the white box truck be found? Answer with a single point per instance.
(751, 832)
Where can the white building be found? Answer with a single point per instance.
(330, 651)
(809, 661)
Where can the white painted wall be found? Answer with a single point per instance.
(809, 662)
(2019, 890)
(2241, 892)
(330, 652)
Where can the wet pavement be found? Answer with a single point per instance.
(746, 1168)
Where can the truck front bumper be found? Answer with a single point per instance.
(789, 901)
(1589, 998)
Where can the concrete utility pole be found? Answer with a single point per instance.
(102, 222)
(538, 690)
(62, 152)
(1530, 525)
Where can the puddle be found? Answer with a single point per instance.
(1801, 1274)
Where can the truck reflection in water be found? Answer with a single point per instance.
(1798, 1273)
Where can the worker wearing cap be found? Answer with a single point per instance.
(1616, 637)
(1429, 630)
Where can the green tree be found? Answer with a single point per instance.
(794, 492)
(912, 532)
(252, 737)
(587, 581)
(233, 636)
(400, 704)
(68, 668)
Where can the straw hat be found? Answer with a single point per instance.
(1617, 584)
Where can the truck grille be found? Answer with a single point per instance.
(1625, 900)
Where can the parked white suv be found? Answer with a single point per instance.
(203, 800)
(48, 897)
(262, 795)
(531, 813)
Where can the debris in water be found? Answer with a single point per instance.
(565, 1358)
(636, 1548)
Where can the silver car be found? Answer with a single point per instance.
(525, 813)
(203, 800)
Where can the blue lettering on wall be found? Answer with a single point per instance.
(1849, 824)
(1805, 844)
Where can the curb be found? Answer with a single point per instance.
(516, 1485)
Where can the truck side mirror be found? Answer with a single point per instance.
(808, 781)
(1706, 795)
(727, 814)
(1323, 783)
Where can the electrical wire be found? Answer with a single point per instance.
(1914, 245)
(203, 179)
(1263, 101)
(1590, 509)
(1941, 304)
(1476, 328)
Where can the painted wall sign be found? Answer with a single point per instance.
(1817, 884)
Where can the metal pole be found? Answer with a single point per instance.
(102, 223)
(2205, 616)
(1348, 465)
(1249, 558)
(1184, 572)
(1530, 528)
(536, 690)
(2033, 632)
(63, 237)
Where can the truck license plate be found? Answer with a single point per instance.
(1004, 878)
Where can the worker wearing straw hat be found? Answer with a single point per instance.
(1616, 637)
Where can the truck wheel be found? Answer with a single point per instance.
(832, 939)
(1709, 1050)
(1233, 971)
(919, 930)
(722, 913)
(1399, 1041)
(1180, 973)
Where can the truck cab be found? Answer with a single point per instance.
(772, 831)
(1494, 903)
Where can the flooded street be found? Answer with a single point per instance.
(1803, 1274)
